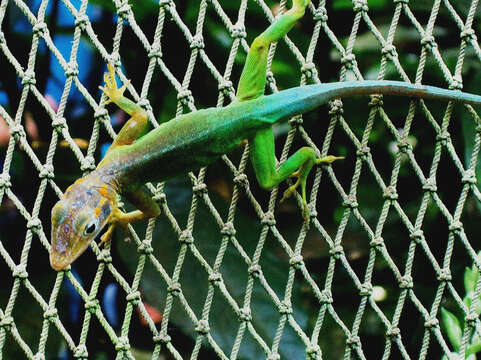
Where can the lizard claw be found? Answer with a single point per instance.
(111, 90)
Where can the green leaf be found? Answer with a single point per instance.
(471, 276)
(450, 324)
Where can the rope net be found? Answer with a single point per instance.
(273, 288)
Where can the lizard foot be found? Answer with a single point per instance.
(118, 218)
(111, 90)
(328, 159)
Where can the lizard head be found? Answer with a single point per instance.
(78, 217)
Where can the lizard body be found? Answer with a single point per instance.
(191, 141)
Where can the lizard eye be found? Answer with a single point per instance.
(90, 228)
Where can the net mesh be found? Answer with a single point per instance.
(437, 255)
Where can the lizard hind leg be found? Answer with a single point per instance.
(262, 155)
(252, 82)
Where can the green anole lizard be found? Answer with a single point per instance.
(196, 139)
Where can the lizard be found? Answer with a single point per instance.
(194, 140)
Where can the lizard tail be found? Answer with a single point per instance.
(295, 101)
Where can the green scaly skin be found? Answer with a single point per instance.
(194, 140)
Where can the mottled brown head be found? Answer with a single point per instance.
(78, 217)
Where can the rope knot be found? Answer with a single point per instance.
(404, 146)
(335, 108)
(390, 193)
(363, 152)
(393, 331)
(296, 261)
(270, 79)
(185, 97)
(199, 189)
(431, 322)
(389, 51)
(155, 52)
(122, 344)
(444, 275)
(428, 42)
(417, 236)
(133, 297)
(326, 297)
(313, 352)
(255, 271)
(228, 229)
(350, 201)
(81, 352)
(81, 21)
(5, 181)
(360, 5)
(197, 42)
(174, 289)
(28, 78)
(401, 1)
(92, 305)
(17, 132)
(456, 83)
(58, 123)
(166, 3)
(100, 114)
(285, 307)
(186, 237)
(308, 69)
(273, 356)
(40, 29)
(268, 219)
(238, 31)
(46, 172)
(443, 137)
(50, 313)
(349, 61)
(241, 179)
(215, 278)
(455, 226)
(320, 14)
(296, 121)
(377, 242)
(72, 70)
(202, 327)
(469, 177)
(145, 248)
(124, 10)
(34, 224)
(406, 282)
(245, 315)
(468, 34)
(104, 256)
(365, 289)
(430, 185)
(353, 341)
(161, 198)
(20, 272)
(226, 87)
(336, 251)
(165, 339)
(376, 101)
(6, 322)
(88, 163)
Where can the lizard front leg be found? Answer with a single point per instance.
(148, 208)
(138, 124)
